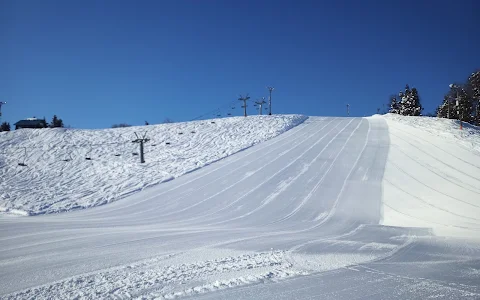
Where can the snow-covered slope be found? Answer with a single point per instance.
(432, 176)
(58, 177)
(296, 217)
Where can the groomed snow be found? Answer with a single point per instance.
(49, 184)
(298, 216)
(432, 176)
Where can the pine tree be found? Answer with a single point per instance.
(5, 126)
(417, 106)
(56, 122)
(410, 102)
(446, 109)
(394, 105)
(466, 104)
(474, 82)
(474, 85)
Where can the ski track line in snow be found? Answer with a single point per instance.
(229, 187)
(428, 221)
(429, 187)
(433, 157)
(316, 187)
(276, 140)
(428, 203)
(257, 158)
(332, 210)
(415, 137)
(434, 281)
(273, 196)
(275, 174)
(437, 172)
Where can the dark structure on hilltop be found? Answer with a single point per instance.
(31, 123)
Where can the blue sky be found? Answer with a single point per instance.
(96, 63)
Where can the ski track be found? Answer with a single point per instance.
(301, 215)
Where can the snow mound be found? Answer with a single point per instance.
(432, 176)
(67, 169)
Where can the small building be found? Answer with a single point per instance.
(31, 123)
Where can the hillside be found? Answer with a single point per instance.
(384, 207)
(59, 177)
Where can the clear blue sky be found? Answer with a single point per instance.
(96, 63)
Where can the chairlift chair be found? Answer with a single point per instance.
(67, 159)
(24, 157)
(87, 155)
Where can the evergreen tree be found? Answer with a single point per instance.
(410, 102)
(474, 82)
(56, 122)
(474, 86)
(466, 104)
(417, 106)
(394, 105)
(443, 109)
(5, 126)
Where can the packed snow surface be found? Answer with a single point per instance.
(432, 176)
(72, 169)
(302, 215)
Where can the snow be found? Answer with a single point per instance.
(432, 176)
(81, 183)
(384, 207)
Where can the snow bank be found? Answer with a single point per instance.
(432, 176)
(70, 169)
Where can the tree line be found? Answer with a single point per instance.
(466, 94)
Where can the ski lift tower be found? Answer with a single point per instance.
(260, 103)
(456, 87)
(270, 89)
(1, 103)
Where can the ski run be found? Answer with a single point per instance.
(263, 207)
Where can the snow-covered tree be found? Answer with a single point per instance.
(474, 86)
(474, 82)
(410, 102)
(394, 105)
(466, 104)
